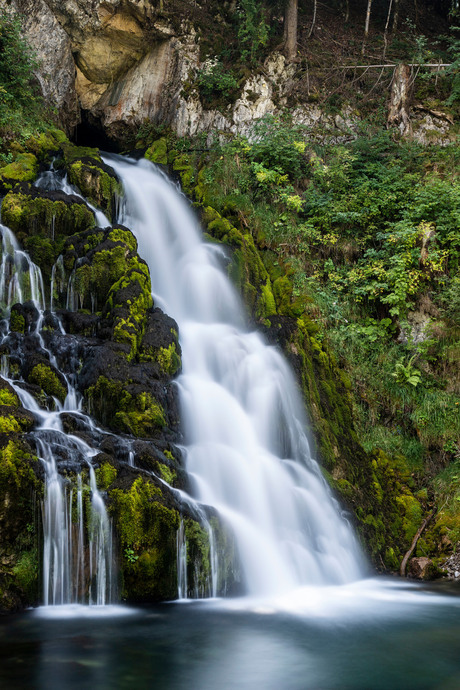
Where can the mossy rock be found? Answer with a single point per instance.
(49, 380)
(7, 394)
(97, 182)
(160, 344)
(109, 276)
(140, 415)
(23, 169)
(19, 558)
(147, 533)
(46, 143)
(31, 211)
(158, 152)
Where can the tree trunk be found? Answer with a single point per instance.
(385, 33)
(402, 569)
(400, 97)
(290, 29)
(315, 6)
(394, 26)
(347, 11)
(366, 25)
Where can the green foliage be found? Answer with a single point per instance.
(130, 555)
(406, 374)
(252, 29)
(105, 475)
(20, 106)
(454, 70)
(280, 145)
(214, 81)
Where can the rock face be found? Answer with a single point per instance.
(122, 64)
(52, 45)
(119, 64)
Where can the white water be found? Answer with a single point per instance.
(246, 447)
(20, 278)
(77, 568)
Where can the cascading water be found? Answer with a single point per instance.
(246, 450)
(77, 559)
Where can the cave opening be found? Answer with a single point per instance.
(91, 133)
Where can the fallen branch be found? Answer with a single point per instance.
(436, 113)
(402, 569)
(393, 65)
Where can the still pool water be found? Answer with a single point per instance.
(371, 635)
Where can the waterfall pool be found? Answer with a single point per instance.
(380, 634)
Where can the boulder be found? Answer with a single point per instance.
(422, 568)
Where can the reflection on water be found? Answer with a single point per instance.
(383, 637)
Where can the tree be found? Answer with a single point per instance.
(290, 29)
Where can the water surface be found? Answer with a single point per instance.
(382, 636)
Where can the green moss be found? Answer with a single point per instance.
(168, 359)
(181, 165)
(198, 555)
(148, 529)
(8, 397)
(144, 419)
(46, 378)
(15, 466)
(140, 415)
(9, 424)
(105, 475)
(125, 236)
(17, 323)
(130, 327)
(158, 152)
(95, 183)
(47, 142)
(40, 215)
(26, 573)
(74, 153)
(23, 169)
(266, 305)
(166, 473)
(20, 490)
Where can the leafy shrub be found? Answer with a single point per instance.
(279, 145)
(252, 29)
(20, 103)
(214, 81)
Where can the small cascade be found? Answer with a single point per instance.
(75, 569)
(51, 180)
(182, 589)
(78, 559)
(100, 548)
(20, 279)
(57, 279)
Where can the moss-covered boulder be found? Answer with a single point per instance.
(46, 144)
(97, 181)
(19, 553)
(29, 210)
(127, 372)
(23, 169)
(158, 152)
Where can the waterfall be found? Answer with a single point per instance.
(246, 447)
(77, 539)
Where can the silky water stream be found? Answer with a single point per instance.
(310, 619)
